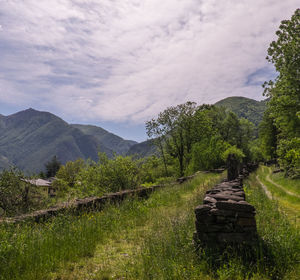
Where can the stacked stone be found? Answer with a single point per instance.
(225, 216)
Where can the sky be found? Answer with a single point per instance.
(118, 63)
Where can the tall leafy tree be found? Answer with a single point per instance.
(284, 91)
(155, 131)
(174, 126)
(268, 136)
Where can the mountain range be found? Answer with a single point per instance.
(30, 138)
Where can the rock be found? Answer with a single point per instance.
(209, 199)
(246, 222)
(241, 207)
(221, 197)
(225, 216)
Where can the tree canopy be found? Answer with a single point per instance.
(197, 136)
(284, 92)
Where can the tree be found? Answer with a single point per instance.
(67, 174)
(52, 167)
(108, 175)
(155, 131)
(13, 192)
(230, 129)
(268, 136)
(284, 91)
(174, 127)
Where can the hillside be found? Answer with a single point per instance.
(30, 138)
(244, 107)
(110, 140)
(143, 149)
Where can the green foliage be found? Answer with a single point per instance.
(256, 153)
(13, 193)
(66, 176)
(52, 167)
(268, 136)
(243, 107)
(88, 178)
(284, 92)
(197, 136)
(233, 150)
(246, 137)
(207, 154)
(108, 175)
(231, 129)
(153, 171)
(289, 156)
(174, 126)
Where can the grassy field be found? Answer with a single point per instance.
(149, 239)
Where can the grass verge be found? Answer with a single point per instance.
(150, 239)
(37, 251)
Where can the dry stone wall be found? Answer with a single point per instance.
(90, 203)
(85, 204)
(225, 217)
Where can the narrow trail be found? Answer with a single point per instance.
(291, 209)
(279, 186)
(267, 192)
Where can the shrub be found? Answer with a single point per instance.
(14, 196)
(289, 156)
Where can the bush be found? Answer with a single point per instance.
(289, 156)
(233, 150)
(13, 192)
(108, 175)
(207, 154)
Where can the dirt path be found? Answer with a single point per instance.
(267, 192)
(279, 186)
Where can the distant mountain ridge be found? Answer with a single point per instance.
(243, 107)
(30, 138)
(109, 140)
(143, 149)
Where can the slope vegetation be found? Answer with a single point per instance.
(243, 107)
(30, 138)
(109, 140)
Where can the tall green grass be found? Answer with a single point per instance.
(32, 251)
(157, 237)
(169, 253)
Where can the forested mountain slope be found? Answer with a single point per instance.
(110, 140)
(30, 138)
(243, 107)
(143, 149)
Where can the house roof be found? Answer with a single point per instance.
(38, 182)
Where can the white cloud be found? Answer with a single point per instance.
(126, 60)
